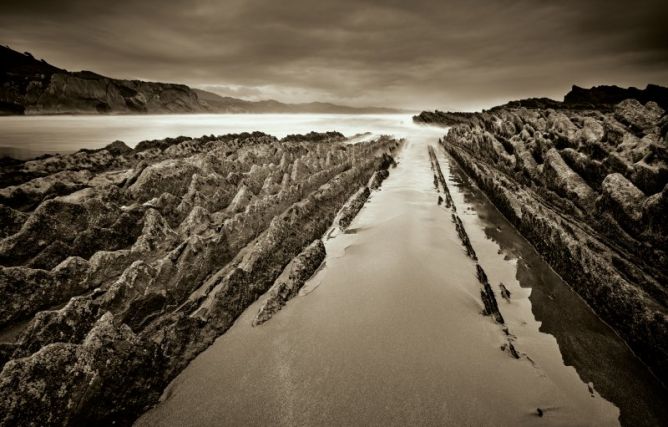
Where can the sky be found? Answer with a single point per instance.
(413, 54)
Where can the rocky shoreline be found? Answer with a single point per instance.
(588, 188)
(126, 263)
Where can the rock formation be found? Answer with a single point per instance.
(589, 189)
(487, 296)
(291, 280)
(124, 264)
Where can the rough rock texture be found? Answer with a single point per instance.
(128, 275)
(589, 189)
(291, 280)
(353, 206)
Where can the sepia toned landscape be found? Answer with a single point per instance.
(333, 214)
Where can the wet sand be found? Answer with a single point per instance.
(390, 331)
(597, 353)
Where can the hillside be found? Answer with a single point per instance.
(29, 86)
(228, 104)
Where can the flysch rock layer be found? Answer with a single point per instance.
(304, 265)
(291, 280)
(127, 263)
(589, 189)
(487, 296)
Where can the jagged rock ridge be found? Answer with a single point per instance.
(128, 263)
(589, 189)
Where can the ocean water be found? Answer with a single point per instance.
(29, 136)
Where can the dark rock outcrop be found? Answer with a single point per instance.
(600, 98)
(487, 296)
(29, 86)
(610, 95)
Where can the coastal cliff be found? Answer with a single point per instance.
(29, 86)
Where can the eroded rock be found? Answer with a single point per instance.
(588, 190)
(288, 284)
(172, 240)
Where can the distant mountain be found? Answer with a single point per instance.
(235, 105)
(31, 86)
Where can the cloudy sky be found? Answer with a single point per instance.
(418, 54)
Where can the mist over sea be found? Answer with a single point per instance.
(29, 136)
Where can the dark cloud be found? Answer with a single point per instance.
(419, 54)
